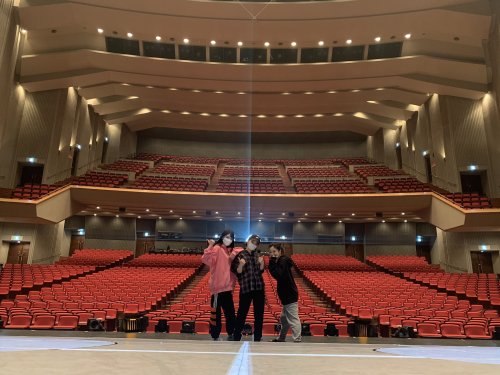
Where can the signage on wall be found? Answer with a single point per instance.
(16, 238)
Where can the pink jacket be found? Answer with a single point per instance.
(219, 260)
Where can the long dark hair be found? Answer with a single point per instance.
(224, 234)
(278, 247)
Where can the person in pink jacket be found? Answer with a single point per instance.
(218, 256)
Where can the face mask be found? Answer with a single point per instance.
(251, 246)
(227, 241)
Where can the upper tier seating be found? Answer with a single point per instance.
(332, 187)
(185, 170)
(166, 260)
(100, 179)
(33, 191)
(239, 186)
(402, 263)
(136, 167)
(97, 257)
(151, 157)
(402, 185)
(194, 160)
(317, 172)
(329, 262)
(309, 162)
(17, 278)
(469, 200)
(264, 172)
(169, 183)
(376, 171)
(353, 161)
(255, 162)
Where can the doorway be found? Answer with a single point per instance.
(482, 261)
(356, 251)
(399, 157)
(74, 164)
(76, 243)
(31, 174)
(144, 246)
(104, 151)
(472, 183)
(428, 168)
(424, 250)
(18, 253)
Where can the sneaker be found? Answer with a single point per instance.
(277, 340)
(230, 338)
(216, 339)
(297, 340)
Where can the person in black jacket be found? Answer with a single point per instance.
(280, 267)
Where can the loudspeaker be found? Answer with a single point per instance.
(95, 325)
(247, 330)
(161, 326)
(306, 329)
(122, 209)
(496, 333)
(331, 330)
(187, 326)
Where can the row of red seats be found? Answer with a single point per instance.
(376, 170)
(396, 302)
(32, 191)
(100, 179)
(329, 262)
(185, 170)
(169, 183)
(16, 278)
(249, 162)
(469, 200)
(232, 186)
(268, 172)
(354, 161)
(484, 288)
(308, 162)
(127, 166)
(119, 290)
(166, 260)
(402, 263)
(151, 157)
(97, 257)
(317, 172)
(194, 160)
(332, 187)
(407, 185)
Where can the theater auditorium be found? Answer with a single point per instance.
(329, 166)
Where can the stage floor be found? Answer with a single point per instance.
(54, 353)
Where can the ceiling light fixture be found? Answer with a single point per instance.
(240, 44)
(213, 42)
(266, 44)
(186, 41)
(348, 41)
(407, 36)
(99, 30)
(321, 43)
(293, 44)
(378, 39)
(130, 35)
(158, 38)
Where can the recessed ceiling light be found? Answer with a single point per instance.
(319, 221)
(329, 214)
(138, 217)
(147, 209)
(213, 42)
(180, 218)
(172, 89)
(308, 93)
(340, 221)
(220, 219)
(306, 214)
(219, 92)
(195, 90)
(293, 44)
(194, 212)
(160, 218)
(186, 40)
(279, 220)
(241, 93)
(95, 214)
(117, 215)
(318, 115)
(407, 36)
(321, 43)
(283, 214)
(299, 116)
(261, 116)
(299, 221)
(205, 114)
(383, 221)
(378, 39)
(280, 116)
(353, 214)
(171, 211)
(260, 213)
(216, 212)
(402, 213)
(242, 116)
(99, 30)
(406, 221)
(185, 113)
(348, 41)
(165, 111)
(24, 31)
(266, 44)
(224, 115)
(158, 38)
(260, 220)
(285, 93)
(130, 35)
(240, 44)
(98, 207)
(332, 92)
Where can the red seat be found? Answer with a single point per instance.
(317, 329)
(473, 331)
(67, 322)
(202, 327)
(428, 330)
(19, 322)
(174, 326)
(43, 322)
(451, 330)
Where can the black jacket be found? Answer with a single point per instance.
(281, 270)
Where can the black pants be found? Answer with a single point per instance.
(224, 302)
(258, 298)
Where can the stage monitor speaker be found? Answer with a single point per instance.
(331, 330)
(187, 326)
(95, 325)
(306, 329)
(161, 326)
(247, 330)
(496, 333)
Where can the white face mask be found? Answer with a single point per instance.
(227, 241)
(251, 246)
